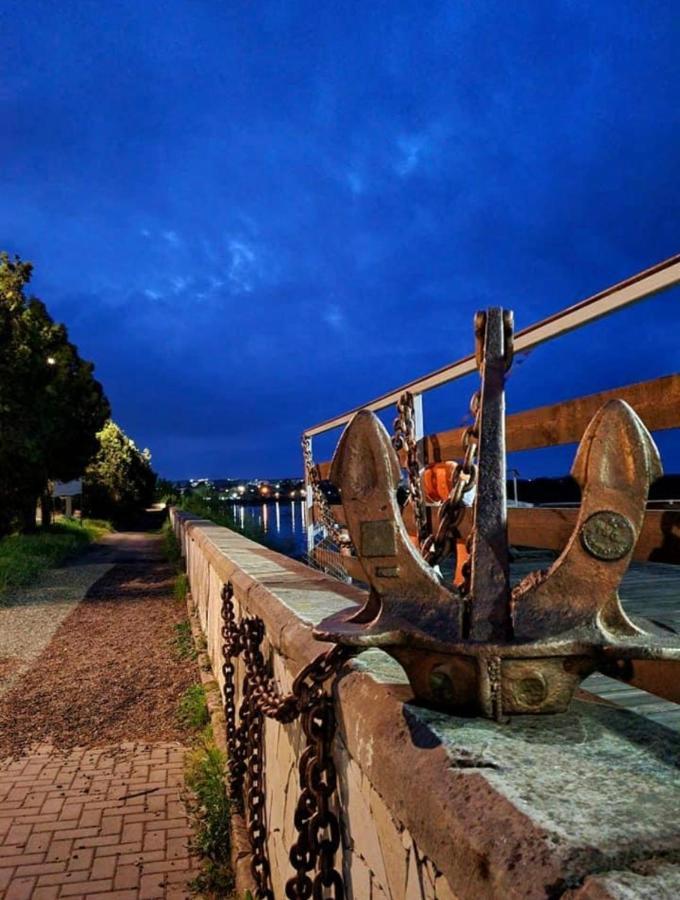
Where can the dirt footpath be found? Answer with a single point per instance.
(91, 773)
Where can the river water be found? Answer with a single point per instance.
(281, 523)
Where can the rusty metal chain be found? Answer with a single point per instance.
(405, 438)
(337, 533)
(443, 542)
(317, 825)
(231, 648)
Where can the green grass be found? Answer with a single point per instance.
(181, 586)
(206, 778)
(171, 546)
(192, 710)
(183, 641)
(24, 557)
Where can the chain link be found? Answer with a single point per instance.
(443, 543)
(405, 438)
(317, 825)
(337, 533)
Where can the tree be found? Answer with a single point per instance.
(119, 481)
(51, 406)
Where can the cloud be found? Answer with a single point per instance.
(172, 238)
(243, 267)
(411, 149)
(334, 316)
(179, 283)
(355, 182)
(152, 295)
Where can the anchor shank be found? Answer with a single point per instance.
(490, 586)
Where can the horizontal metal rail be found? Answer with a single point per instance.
(645, 284)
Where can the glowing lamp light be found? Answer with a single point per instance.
(51, 361)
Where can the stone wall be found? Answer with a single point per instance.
(433, 807)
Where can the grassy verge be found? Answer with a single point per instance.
(205, 763)
(205, 773)
(192, 710)
(24, 557)
(171, 546)
(173, 554)
(206, 778)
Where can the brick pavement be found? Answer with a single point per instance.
(101, 823)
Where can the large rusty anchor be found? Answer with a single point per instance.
(497, 652)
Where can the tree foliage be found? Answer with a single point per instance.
(51, 406)
(119, 481)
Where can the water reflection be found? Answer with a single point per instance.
(283, 524)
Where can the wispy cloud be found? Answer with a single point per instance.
(334, 316)
(355, 182)
(243, 266)
(410, 150)
(172, 238)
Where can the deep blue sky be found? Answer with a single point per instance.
(253, 215)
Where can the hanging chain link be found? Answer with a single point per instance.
(405, 438)
(317, 825)
(337, 533)
(436, 547)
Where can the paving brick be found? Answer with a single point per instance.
(155, 840)
(111, 824)
(17, 858)
(18, 835)
(38, 843)
(90, 818)
(126, 877)
(177, 848)
(133, 831)
(95, 823)
(45, 893)
(42, 868)
(118, 895)
(119, 848)
(59, 849)
(6, 876)
(86, 888)
(51, 806)
(151, 887)
(20, 889)
(81, 858)
(71, 810)
(103, 867)
(140, 856)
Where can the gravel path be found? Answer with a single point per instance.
(30, 616)
(103, 669)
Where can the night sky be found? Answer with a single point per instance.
(255, 215)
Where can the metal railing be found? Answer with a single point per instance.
(645, 284)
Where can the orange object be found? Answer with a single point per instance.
(438, 480)
(462, 557)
